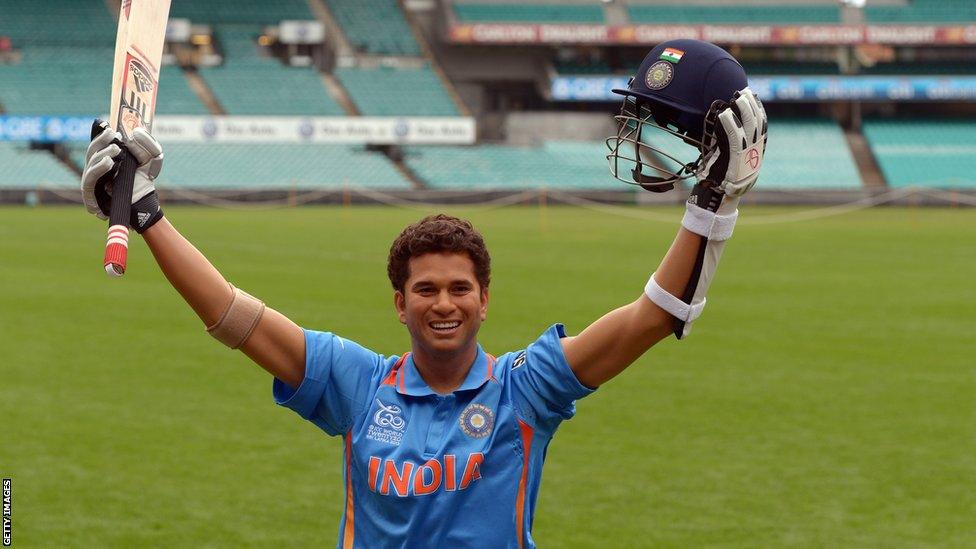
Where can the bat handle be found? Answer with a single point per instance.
(117, 243)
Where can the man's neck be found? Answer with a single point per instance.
(444, 373)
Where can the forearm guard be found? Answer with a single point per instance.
(711, 215)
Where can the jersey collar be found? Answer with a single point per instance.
(408, 381)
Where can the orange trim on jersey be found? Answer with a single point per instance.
(527, 433)
(491, 365)
(392, 377)
(403, 377)
(349, 532)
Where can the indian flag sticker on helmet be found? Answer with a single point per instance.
(671, 54)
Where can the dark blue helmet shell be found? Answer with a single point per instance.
(680, 79)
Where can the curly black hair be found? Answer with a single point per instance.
(436, 234)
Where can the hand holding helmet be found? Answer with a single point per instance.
(734, 143)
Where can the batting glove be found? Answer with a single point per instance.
(101, 168)
(734, 144)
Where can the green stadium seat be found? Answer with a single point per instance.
(251, 84)
(529, 13)
(387, 91)
(375, 26)
(795, 158)
(175, 95)
(923, 11)
(253, 12)
(808, 154)
(215, 166)
(555, 164)
(925, 153)
(83, 76)
(24, 168)
(79, 23)
(730, 13)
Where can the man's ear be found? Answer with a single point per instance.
(400, 303)
(484, 304)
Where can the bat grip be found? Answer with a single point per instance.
(117, 242)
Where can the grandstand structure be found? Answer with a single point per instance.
(340, 95)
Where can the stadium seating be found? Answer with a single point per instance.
(26, 168)
(555, 164)
(375, 26)
(928, 153)
(57, 23)
(272, 166)
(82, 76)
(58, 81)
(734, 14)
(241, 11)
(798, 152)
(386, 91)
(808, 154)
(923, 11)
(249, 83)
(175, 95)
(529, 13)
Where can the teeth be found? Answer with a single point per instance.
(445, 325)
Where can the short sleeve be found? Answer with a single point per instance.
(339, 375)
(545, 388)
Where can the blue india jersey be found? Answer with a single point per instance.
(428, 470)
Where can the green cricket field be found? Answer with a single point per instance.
(827, 397)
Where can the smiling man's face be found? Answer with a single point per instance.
(442, 306)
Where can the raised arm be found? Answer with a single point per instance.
(275, 343)
(675, 294)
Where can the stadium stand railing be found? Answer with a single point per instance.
(926, 153)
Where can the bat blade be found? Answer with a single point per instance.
(135, 83)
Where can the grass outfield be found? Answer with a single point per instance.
(826, 398)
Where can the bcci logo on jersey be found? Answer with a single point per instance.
(477, 420)
(388, 425)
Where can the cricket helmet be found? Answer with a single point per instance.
(677, 86)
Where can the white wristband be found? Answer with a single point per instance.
(679, 309)
(709, 224)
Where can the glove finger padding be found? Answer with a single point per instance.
(736, 145)
(149, 154)
(100, 168)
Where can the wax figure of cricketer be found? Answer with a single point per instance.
(444, 445)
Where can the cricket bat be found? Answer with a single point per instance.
(135, 81)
